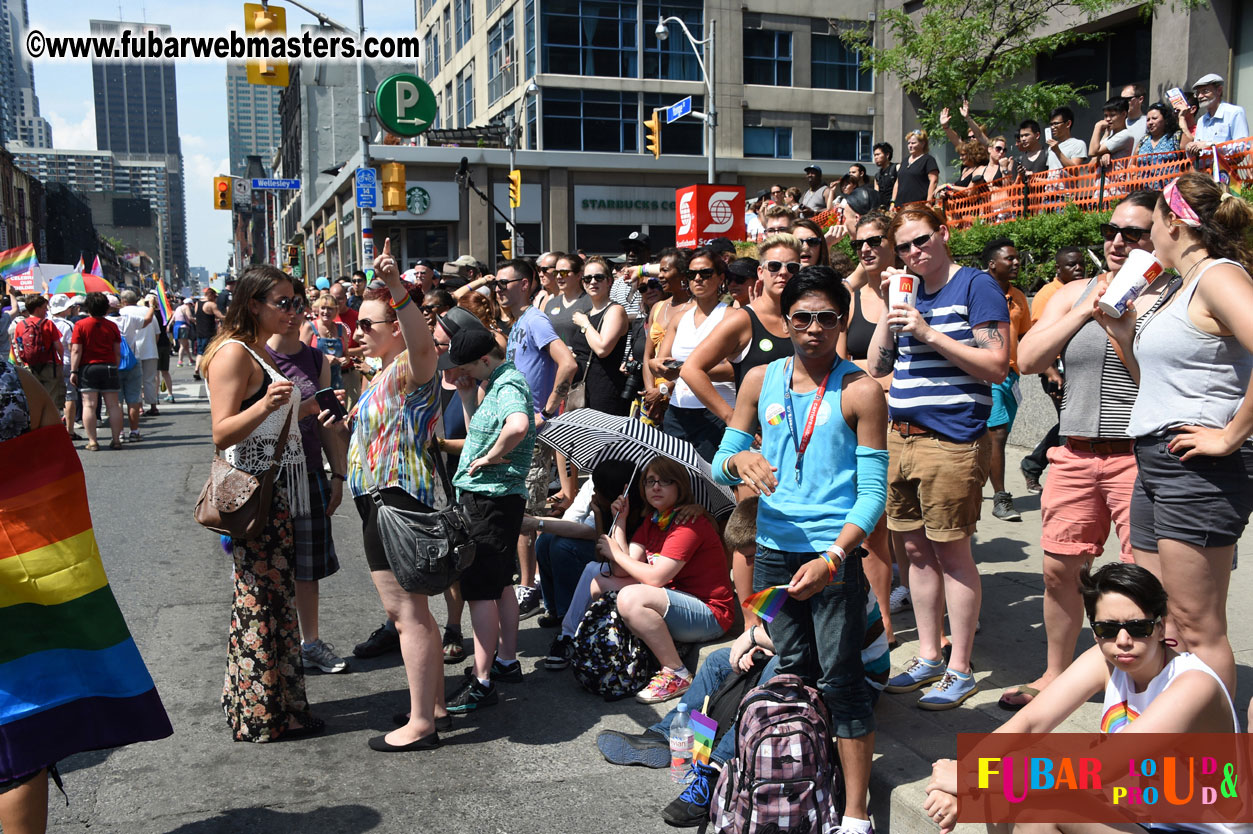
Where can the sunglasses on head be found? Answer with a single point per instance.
(1108, 629)
(920, 241)
(810, 241)
(792, 267)
(874, 242)
(1131, 234)
(703, 274)
(802, 319)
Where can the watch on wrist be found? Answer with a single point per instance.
(541, 525)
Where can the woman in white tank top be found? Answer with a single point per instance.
(1148, 688)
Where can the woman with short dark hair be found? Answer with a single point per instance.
(95, 353)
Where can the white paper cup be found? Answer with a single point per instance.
(903, 289)
(1138, 271)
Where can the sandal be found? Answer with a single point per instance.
(116, 444)
(92, 447)
(1030, 692)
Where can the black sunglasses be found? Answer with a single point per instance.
(810, 241)
(289, 304)
(653, 284)
(1131, 234)
(732, 278)
(874, 242)
(920, 241)
(704, 274)
(592, 277)
(366, 324)
(497, 283)
(1000, 148)
(1108, 629)
(802, 319)
(776, 266)
(431, 308)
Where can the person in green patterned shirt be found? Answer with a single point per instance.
(491, 484)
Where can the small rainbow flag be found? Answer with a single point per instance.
(79, 266)
(166, 307)
(704, 729)
(17, 259)
(766, 603)
(95, 267)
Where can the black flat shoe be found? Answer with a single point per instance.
(400, 719)
(429, 742)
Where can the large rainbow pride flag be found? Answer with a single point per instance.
(18, 259)
(71, 678)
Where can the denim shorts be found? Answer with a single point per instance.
(132, 381)
(690, 620)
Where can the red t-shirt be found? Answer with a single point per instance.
(705, 574)
(348, 319)
(99, 338)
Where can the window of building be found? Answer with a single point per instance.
(685, 136)
(465, 81)
(590, 120)
(532, 123)
(492, 5)
(769, 142)
(841, 144)
(450, 105)
(431, 47)
(673, 59)
(427, 5)
(501, 59)
(836, 67)
(767, 57)
(448, 32)
(593, 37)
(529, 10)
(464, 20)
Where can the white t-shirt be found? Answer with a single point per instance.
(580, 509)
(1073, 148)
(1120, 144)
(1137, 127)
(66, 328)
(142, 337)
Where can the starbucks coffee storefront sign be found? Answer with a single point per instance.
(623, 204)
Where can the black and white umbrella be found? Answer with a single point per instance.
(587, 437)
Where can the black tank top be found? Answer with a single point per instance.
(206, 326)
(763, 348)
(860, 331)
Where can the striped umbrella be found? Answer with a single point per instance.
(587, 437)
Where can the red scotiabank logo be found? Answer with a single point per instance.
(704, 212)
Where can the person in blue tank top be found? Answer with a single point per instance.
(821, 476)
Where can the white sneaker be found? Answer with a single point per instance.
(900, 599)
(321, 655)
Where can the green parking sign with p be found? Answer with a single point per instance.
(405, 104)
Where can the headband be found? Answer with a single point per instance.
(1179, 206)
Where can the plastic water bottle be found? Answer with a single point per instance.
(680, 746)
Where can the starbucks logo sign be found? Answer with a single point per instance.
(418, 200)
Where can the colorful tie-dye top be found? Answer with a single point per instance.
(392, 432)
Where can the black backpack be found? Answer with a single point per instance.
(608, 659)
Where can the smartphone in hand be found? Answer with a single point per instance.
(327, 401)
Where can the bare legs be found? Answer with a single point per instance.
(495, 623)
(999, 436)
(307, 609)
(1063, 613)
(643, 608)
(940, 573)
(90, 416)
(420, 648)
(24, 810)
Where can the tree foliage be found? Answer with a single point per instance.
(957, 49)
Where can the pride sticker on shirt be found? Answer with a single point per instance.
(774, 414)
(1117, 718)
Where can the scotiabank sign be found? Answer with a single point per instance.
(704, 212)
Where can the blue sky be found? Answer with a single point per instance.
(65, 90)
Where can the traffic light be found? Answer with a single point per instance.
(653, 126)
(506, 249)
(222, 193)
(393, 176)
(291, 254)
(515, 188)
(268, 23)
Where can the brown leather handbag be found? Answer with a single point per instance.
(236, 503)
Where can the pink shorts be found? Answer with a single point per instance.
(1083, 493)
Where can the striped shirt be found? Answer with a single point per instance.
(928, 389)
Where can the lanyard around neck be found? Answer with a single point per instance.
(811, 420)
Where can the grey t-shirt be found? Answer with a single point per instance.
(560, 316)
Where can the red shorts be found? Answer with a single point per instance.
(1083, 494)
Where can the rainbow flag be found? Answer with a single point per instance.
(95, 267)
(766, 603)
(17, 259)
(704, 729)
(79, 266)
(166, 307)
(71, 678)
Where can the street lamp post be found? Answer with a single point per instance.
(531, 89)
(707, 66)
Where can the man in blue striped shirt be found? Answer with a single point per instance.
(944, 354)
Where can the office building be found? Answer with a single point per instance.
(252, 120)
(137, 119)
(20, 122)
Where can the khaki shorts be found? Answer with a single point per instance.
(936, 484)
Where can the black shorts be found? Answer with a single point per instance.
(99, 377)
(496, 522)
(163, 358)
(375, 556)
(1205, 501)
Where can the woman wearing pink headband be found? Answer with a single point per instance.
(1193, 417)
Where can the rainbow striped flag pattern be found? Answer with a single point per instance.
(71, 677)
(18, 259)
(767, 602)
(95, 267)
(704, 729)
(166, 307)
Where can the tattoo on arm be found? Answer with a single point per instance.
(886, 360)
(561, 390)
(989, 337)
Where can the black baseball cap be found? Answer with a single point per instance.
(862, 200)
(745, 268)
(459, 318)
(813, 168)
(468, 345)
(722, 244)
(635, 240)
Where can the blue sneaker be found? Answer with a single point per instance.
(918, 673)
(691, 808)
(952, 689)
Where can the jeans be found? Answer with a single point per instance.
(580, 598)
(561, 563)
(708, 680)
(821, 638)
(697, 426)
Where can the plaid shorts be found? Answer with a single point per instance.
(315, 549)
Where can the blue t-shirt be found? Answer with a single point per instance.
(531, 334)
(929, 390)
(806, 517)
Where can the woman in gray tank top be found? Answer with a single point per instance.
(1193, 417)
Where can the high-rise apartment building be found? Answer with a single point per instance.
(137, 119)
(20, 122)
(252, 118)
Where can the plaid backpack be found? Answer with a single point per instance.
(608, 659)
(785, 777)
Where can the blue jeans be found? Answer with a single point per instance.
(821, 638)
(697, 426)
(561, 563)
(709, 679)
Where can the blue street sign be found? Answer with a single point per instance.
(276, 184)
(678, 110)
(367, 188)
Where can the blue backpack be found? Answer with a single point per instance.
(128, 357)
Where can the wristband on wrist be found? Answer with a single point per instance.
(828, 556)
(398, 305)
(752, 636)
(335, 476)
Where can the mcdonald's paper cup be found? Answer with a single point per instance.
(1138, 271)
(903, 289)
